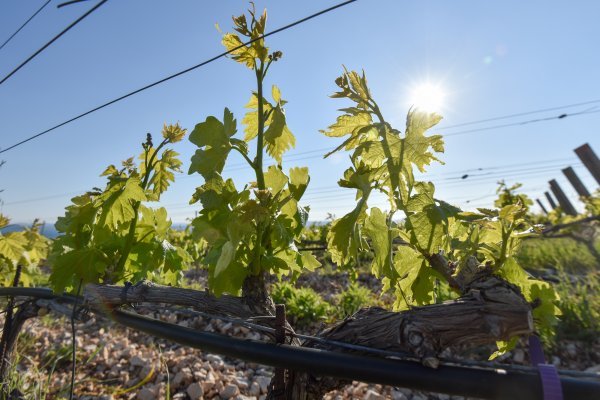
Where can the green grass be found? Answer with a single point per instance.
(578, 287)
(580, 306)
(566, 254)
(25, 374)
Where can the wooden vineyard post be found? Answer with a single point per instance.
(550, 200)
(542, 206)
(576, 182)
(590, 160)
(562, 198)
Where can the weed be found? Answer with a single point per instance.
(25, 376)
(580, 306)
(304, 305)
(564, 253)
(353, 299)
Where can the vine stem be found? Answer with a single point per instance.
(258, 164)
(260, 177)
(390, 160)
(398, 203)
(248, 160)
(136, 207)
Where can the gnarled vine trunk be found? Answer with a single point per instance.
(490, 309)
(255, 294)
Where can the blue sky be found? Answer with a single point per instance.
(492, 59)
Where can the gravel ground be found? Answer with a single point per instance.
(119, 363)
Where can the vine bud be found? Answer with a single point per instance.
(263, 195)
(275, 56)
(149, 140)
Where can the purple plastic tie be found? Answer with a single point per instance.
(548, 374)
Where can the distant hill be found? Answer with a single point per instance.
(50, 231)
(47, 229)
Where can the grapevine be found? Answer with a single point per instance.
(250, 232)
(440, 243)
(26, 248)
(109, 236)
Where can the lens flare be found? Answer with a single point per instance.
(427, 96)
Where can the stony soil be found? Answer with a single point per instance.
(118, 363)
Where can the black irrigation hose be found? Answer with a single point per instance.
(452, 380)
(372, 350)
(462, 381)
(39, 293)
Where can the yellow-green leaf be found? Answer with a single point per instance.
(299, 180)
(118, 201)
(174, 133)
(275, 179)
(227, 254)
(243, 54)
(347, 124)
(377, 229)
(278, 137)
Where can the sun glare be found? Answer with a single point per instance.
(427, 96)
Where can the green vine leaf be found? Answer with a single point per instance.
(216, 194)
(376, 228)
(299, 180)
(214, 139)
(87, 264)
(348, 124)
(230, 279)
(25, 248)
(118, 200)
(344, 239)
(414, 285)
(250, 120)
(164, 174)
(12, 247)
(275, 179)
(416, 144)
(225, 258)
(245, 54)
(278, 137)
(251, 54)
(111, 170)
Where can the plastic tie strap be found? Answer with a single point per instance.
(551, 386)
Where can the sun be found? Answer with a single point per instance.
(427, 96)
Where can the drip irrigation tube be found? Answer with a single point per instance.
(463, 381)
